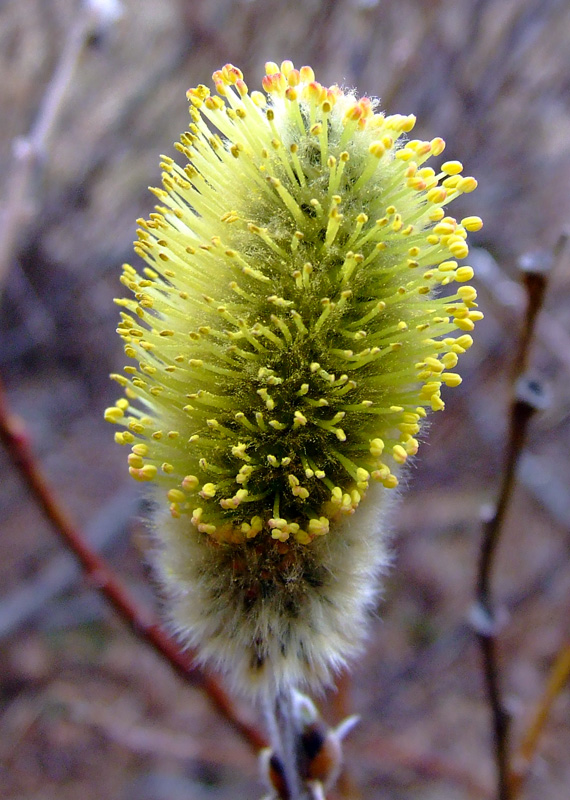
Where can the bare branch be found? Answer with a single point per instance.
(141, 621)
(528, 397)
(29, 151)
(559, 677)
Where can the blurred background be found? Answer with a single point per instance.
(88, 711)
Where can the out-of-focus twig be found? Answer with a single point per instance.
(141, 622)
(29, 151)
(528, 397)
(535, 271)
(558, 678)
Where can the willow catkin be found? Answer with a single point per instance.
(287, 335)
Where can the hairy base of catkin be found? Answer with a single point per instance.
(272, 615)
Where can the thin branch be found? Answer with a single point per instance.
(141, 621)
(558, 678)
(536, 269)
(29, 151)
(528, 397)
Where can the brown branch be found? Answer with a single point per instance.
(141, 621)
(528, 397)
(558, 678)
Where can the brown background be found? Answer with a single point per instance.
(85, 710)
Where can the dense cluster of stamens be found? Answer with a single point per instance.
(288, 332)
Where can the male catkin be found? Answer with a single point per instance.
(287, 334)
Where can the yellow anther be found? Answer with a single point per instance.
(467, 185)
(459, 250)
(299, 419)
(238, 451)
(293, 77)
(437, 146)
(319, 527)
(435, 214)
(254, 528)
(113, 414)
(146, 473)
(464, 274)
(451, 182)
(381, 473)
(259, 99)
(404, 154)
(450, 378)
(464, 341)
(205, 528)
(399, 454)
(444, 228)
(377, 149)
(449, 360)
(434, 363)
(407, 123)
(467, 294)
(176, 496)
(472, 223)
(464, 324)
(412, 446)
(336, 495)
(436, 195)
(208, 490)
(452, 167)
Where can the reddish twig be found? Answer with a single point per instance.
(528, 397)
(141, 621)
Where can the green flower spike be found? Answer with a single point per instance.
(288, 334)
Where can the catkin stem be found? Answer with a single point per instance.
(285, 736)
